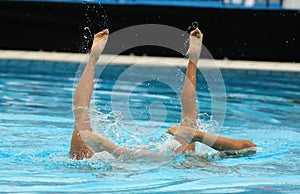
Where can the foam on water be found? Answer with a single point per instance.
(108, 126)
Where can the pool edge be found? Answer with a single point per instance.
(149, 60)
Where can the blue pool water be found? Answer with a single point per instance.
(36, 123)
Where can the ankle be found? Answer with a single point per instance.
(93, 60)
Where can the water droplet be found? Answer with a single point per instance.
(193, 26)
(87, 29)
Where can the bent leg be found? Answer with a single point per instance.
(99, 144)
(82, 99)
(188, 96)
(219, 143)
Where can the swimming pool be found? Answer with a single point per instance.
(36, 124)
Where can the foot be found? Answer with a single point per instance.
(99, 43)
(195, 45)
(245, 143)
(185, 133)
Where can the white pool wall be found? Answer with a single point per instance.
(149, 60)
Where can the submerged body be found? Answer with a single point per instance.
(85, 143)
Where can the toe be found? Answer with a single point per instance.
(196, 33)
(102, 33)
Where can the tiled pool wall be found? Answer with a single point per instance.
(70, 68)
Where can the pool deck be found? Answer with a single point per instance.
(149, 60)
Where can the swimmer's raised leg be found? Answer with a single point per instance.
(188, 96)
(85, 86)
(82, 99)
(187, 133)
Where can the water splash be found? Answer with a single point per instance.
(193, 26)
(89, 31)
(96, 19)
(108, 126)
(206, 123)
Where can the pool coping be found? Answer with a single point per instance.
(149, 60)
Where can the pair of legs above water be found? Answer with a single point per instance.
(85, 143)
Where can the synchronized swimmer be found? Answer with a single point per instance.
(85, 143)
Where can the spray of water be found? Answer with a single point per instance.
(96, 19)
